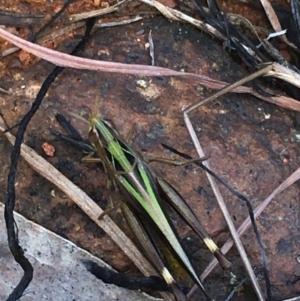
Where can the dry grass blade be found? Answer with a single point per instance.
(274, 20)
(65, 60)
(293, 299)
(46, 170)
(96, 13)
(295, 176)
(62, 59)
(176, 15)
(224, 211)
(285, 74)
(118, 23)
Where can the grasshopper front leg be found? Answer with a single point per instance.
(110, 186)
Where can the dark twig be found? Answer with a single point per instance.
(68, 127)
(122, 280)
(296, 15)
(250, 210)
(13, 241)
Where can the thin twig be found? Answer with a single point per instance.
(235, 289)
(230, 88)
(217, 193)
(295, 176)
(224, 210)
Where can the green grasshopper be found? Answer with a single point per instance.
(143, 207)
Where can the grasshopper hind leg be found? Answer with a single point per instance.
(147, 245)
(111, 204)
(110, 208)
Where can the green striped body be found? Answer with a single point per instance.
(128, 171)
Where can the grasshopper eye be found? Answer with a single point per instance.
(109, 123)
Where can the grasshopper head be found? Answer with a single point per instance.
(93, 132)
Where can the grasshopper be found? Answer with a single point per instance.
(142, 191)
